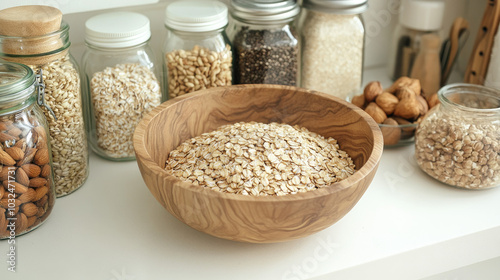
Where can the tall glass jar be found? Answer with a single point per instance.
(265, 42)
(27, 195)
(333, 36)
(458, 142)
(121, 81)
(196, 53)
(49, 52)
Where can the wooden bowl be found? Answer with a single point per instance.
(256, 219)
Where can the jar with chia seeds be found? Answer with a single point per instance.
(458, 141)
(27, 193)
(121, 79)
(333, 37)
(196, 53)
(36, 36)
(265, 41)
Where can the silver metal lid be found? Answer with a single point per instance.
(264, 11)
(345, 7)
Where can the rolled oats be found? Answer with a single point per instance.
(260, 159)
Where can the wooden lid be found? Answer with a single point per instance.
(33, 20)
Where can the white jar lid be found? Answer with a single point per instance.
(263, 11)
(196, 15)
(345, 7)
(117, 30)
(422, 15)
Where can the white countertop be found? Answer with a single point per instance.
(406, 226)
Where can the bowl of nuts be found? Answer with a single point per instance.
(397, 109)
(258, 163)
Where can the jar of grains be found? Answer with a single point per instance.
(332, 33)
(265, 42)
(37, 36)
(27, 195)
(197, 54)
(121, 81)
(458, 142)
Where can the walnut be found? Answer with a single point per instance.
(392, 135)
(376, 112)
(372, 90)
(387, 101)
(408, 108)
(359, 100)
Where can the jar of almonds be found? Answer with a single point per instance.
(27, 192)
(458, 142)
(197, 54)
(121, 81)
(37, 36)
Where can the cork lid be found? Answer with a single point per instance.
(33, 20)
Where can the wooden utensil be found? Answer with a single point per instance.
(247, 218)
(459, 28)
(480, 58)
(426, 67)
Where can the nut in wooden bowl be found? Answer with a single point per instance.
(256, 219)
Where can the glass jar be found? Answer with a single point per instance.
(333, 37)
(196, 53)
(416, 19)
(265, 42)
(27, 195)
(49, 52)
(458, 142)
(120, 79)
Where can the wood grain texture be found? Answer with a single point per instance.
(256, 219)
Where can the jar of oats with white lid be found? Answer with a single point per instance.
(36, 36)
(333, 38)
(458, 141)
(196, 53)
(121, 81)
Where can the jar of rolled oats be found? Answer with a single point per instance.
(458, 142)
(196, 53)
(121, 81)
(27, 193)
(36, 36)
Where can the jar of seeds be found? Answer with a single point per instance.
(265, 42)
(36, 36)
(121, 80)
(332, 34)
(27, 192)
(458, 142)
(197, 54)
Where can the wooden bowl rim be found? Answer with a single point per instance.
(144, 157)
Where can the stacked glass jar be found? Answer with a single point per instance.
(197, 54)
(333, 34)
(27, 193)
(36, 36)
(121, 81)
(265, 42)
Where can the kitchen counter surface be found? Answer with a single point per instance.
(406, 226)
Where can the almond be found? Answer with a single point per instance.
(32, 220)
(37, 182)
(5, 158)
(15, 131)
(40, 212)
(2, 192)
(40, 192)
(32, 170)
(4, 203)
(21, 177)
(4, 137)
(4, 174)
(15, 152)
(41, 157)
(28, 156)
(29, 209)
(21, 223)
(21, 144)
(42, 201)
(45, 171)
(27, 196)
(18, 188)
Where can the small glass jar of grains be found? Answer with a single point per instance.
(36, 36)
(27, 193)
(265, 42)
(121, 80)
(196, 53)
(333, 37)
(458, 142)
